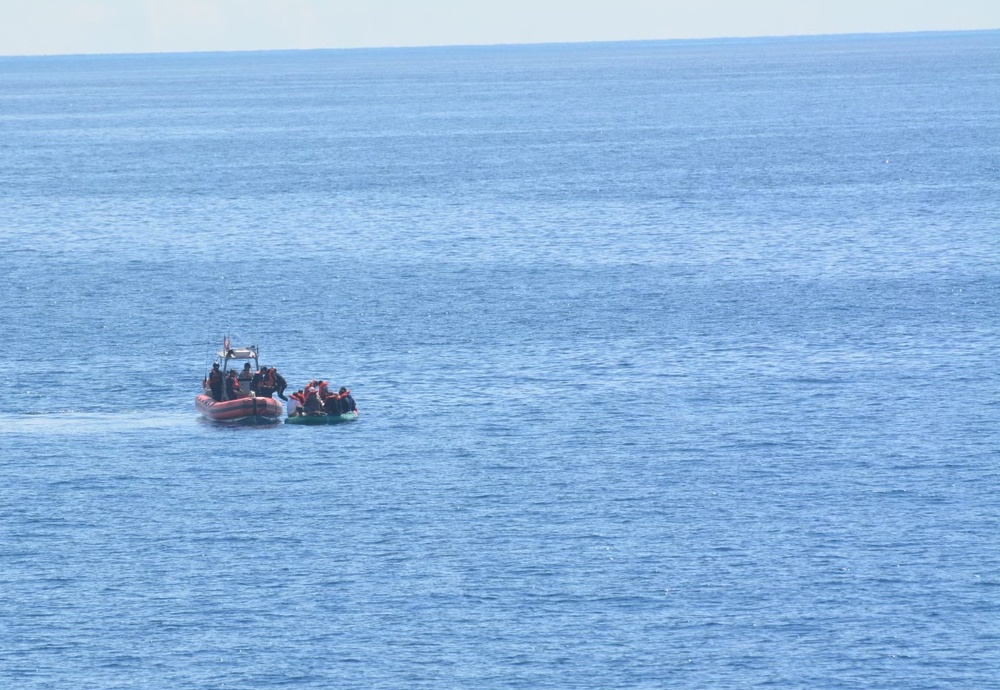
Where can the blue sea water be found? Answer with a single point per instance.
(676, 364)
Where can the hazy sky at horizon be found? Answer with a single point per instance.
(47, 27)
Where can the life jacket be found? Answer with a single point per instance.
(324, 391)
(278, 383)
(215, 376)
(299, 397)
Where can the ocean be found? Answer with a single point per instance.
(676, 365)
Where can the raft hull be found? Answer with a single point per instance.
(315, 420)
(241, 410)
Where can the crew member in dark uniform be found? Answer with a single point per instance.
(279, 383)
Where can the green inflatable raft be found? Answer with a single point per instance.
(318, 419)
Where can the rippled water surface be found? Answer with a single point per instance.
(676, 365)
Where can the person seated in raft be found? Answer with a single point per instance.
(347, 403)
(232, 386)
(295, 403)
(245, 377)
(331, 404)
(215, 382)
(313, 405)
(310, 388)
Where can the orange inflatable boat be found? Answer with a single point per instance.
(244, 409)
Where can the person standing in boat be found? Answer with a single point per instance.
(245, 377)
(257, 382)
(215, 382)
(310, 388)
(232, 386)
(323, 390)
(266, 387)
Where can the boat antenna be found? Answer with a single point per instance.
(208, 355)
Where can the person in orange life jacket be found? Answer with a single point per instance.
(232, 386)
(267, 382)
(313, 405)
(215, 382)
(279, 383)
(262, 383)
(323, 389)
(295, 402)
(311, 388)
(347, 403)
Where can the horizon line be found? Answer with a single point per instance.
(439, 46)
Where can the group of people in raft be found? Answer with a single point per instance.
(315, 399)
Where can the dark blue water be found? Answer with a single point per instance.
(676, 365)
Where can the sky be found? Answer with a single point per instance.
(57, 27)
